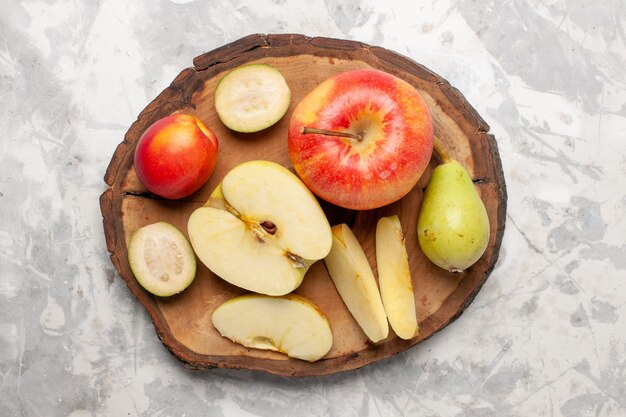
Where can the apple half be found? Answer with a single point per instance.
(352, 275)
(290, 324)
(261, 229)
(394, 277)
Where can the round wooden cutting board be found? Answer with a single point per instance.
(183, 322)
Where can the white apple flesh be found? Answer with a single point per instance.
(352, 275)
(289, 324)
(261, 229)
(394, 277)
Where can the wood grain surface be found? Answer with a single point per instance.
(183, 322)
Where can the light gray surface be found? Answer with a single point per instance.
(546, 336)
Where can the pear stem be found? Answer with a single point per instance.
(312, 130)
(441, 150)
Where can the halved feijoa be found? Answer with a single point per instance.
(252, 97)
(161, 259)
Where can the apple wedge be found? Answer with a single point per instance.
(394, 277)
(261, 229)
(290, 324)
(352, 275)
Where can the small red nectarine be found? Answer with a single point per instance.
(175, 156)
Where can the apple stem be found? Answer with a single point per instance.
(441, 150)
(312, 130)
(296, 260)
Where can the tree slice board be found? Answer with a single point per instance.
(183, 322)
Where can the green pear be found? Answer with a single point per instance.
(452, 227)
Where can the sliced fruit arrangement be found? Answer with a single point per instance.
(261, 230)
(252, 98)
(353, 277)
(394, 277)
(453, 226)
(360, 140)
(161, 259)
(290, 324)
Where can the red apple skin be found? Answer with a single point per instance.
(382, 167)
(175, 156)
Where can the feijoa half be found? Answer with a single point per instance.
(161, 259)
(252, 97)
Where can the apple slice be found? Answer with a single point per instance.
(252, 97)
(290, 324)
(352, 275)
(161, 259)
(261, 229)
(394, 277)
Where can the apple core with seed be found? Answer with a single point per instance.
(261, 229)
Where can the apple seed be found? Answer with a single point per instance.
(269, 227)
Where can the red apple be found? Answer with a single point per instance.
(361, 139)
(175, 156)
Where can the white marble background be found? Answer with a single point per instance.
(546, 336)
